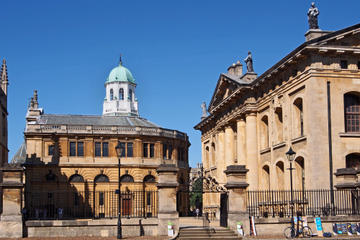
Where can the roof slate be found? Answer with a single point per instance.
(94, 120)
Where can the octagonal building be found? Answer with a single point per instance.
(72, 165)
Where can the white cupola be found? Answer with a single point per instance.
(120, 99)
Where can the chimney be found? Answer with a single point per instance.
(231, 69)
(238, 69)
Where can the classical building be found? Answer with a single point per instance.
(309, 100)
(72, 164)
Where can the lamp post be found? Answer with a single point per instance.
(119, 151)
(291, 156)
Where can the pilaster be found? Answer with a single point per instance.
(167, 198)
(229, 146)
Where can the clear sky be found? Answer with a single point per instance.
(175, 50)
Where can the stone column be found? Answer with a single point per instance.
(11, 223)
(229, 146)
(167, 198)
(241, 141)
(236, 185)
(252, 151)
(220, 158)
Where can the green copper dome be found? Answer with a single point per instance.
(120, 74)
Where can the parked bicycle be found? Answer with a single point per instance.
(298, 230)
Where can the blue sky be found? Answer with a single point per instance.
(175, 50)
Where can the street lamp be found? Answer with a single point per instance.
(119, 151)
(291, 156)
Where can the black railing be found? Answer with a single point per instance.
(89, 204)
(306, 203)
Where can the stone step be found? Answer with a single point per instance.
(207, 233)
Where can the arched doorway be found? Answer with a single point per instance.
(101, 196)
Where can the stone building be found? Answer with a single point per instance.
(3, 123)
(309, 100)
(76, 153)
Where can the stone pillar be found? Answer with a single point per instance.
(11, 223)
(167, 198)
(241, 141)
(236, 185)
(229, 146)
(252, 151)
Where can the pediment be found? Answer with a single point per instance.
(224, 88)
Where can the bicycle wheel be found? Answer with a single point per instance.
(307, 232)
(289, 232)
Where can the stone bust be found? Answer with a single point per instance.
(313, 14)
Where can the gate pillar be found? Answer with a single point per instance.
(11, 222)
(167, 198)
(237, 200)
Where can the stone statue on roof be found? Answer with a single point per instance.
(204, 112)
(313, 14)
(249, 62)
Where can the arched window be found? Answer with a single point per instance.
(130, 95)
(121, 94)
(264, 132)
(149, 179)
(353, 161)
(280, 175)
(352, 112)
(213, 160)
(266, 177)
(207, 155)
(76, 178)
(126, 178)
(298, 123)
(299, 173)
(111, 94)
(279, 124)
(101, 178)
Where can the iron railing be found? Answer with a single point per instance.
(90, 204)
(306, 203)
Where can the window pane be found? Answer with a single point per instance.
(101, 198)
(111, 94)
(105, 149)
(148, 198)
(164, 151)
(151, 150)
(80, 149)
(121, 94)
(129, 149)
(72, 149)
(51, 150)
(97, 149)
(145, 149)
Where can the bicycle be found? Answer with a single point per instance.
(293, 232)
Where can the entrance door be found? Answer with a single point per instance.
(223, 209)
(126, 207)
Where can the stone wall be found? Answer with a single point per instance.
(92, 228)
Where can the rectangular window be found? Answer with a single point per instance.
(80, 149)
(51, 150)
(343, 64)
(358, 65)
(129, 149)
(72, 148)
(145, 149)
(122, 146)
(105, 146)
(50, 195)
(97, 149)
(151, 150)
(170, 150)
(164, 151)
